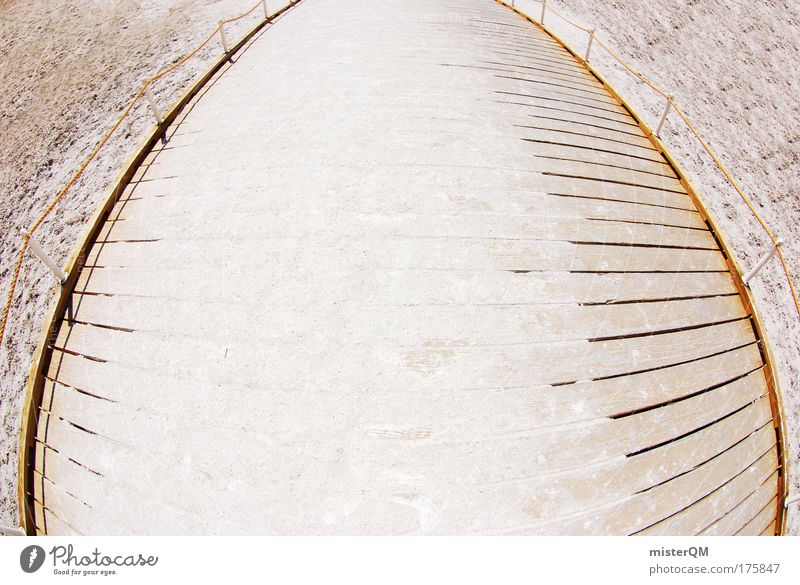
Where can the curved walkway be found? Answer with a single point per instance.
(406, 267)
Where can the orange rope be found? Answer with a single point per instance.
(242, 15)
(29, 234)
(631, 69)
(565, 19)
(13, 286)
(174, 66)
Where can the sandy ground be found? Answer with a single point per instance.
(68, 69)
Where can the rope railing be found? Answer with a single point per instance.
(28, 239)
(670, 104)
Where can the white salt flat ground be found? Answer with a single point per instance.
(387, 276)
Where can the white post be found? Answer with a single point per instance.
(664, 115)
(222, 36)
(544, 5)
(266, 12)
(589, 46)
(153, 106)
(8, 531)
(760, 264)
(49, 262)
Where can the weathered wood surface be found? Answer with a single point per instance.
(377, 285)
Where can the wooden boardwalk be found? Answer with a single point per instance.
(404, 268)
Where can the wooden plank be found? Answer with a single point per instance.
(107, 499)
(113, 380)
(62, 471)
(598, 258)
(533, 45)
(770, 530)
(521, 58)
(100, 415)
(523, 198)
(278, 253)
(573, 78)
(615, 176)
(570, 120)
(565, 122)
(572, 153)
(40, 519)
(559, 179)
(709, 508)
(434, 287)
(590, 142)
(761, 521)
(746, 510)
(68, 439)
(455, 324)
(537, 100)
(150, 226)
(159, 454)
(465, 226)
(531, 93)
(602, 438)
(106, 456)
(98, 451)
(586, 400)
(633, 513)
(508, 173)
(544, 111)
(43, 420)
(70, 510)
(534, 42)
(54, 525)
(522, 83)
(618, 478)
(527, 53)
(424, 364)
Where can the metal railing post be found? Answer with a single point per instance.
(153, 106)
(761, 263)
(664, 115)
(266, 12)
(589, 46)
(37, 249)
(222, 36)
(544, 6)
